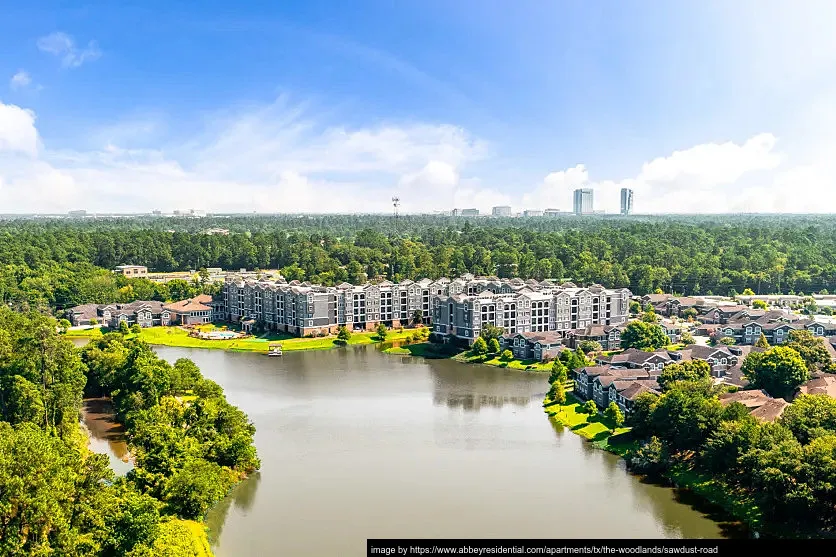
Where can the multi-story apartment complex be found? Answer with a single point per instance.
(303, 308)
(501, 211)
(458, 307)
(525, 306)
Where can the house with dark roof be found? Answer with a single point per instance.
(608, 336)
(654, 362)
(758, 402)
(624, 393)
(533, 346)
(823, 384)
(720, 314)
(145, 313)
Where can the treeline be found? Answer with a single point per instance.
(689, 255)
(53, 285)
(781, 475)
(58, 498)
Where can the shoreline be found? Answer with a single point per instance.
(598, 432)
(178, 337)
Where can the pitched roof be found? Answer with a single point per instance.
(638, 388)
(634, 356)
(823, 385)
(189, 305)
(748, 398)
(771, 410)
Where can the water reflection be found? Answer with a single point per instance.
(358, 444)
(106, 434)
(241, 498)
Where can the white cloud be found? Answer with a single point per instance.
(272, 159)
(20, 80)
(17, 130)
(63, 45)
(278, 158)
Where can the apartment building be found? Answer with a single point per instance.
(457, 307)
(525, 306)
(304, 309)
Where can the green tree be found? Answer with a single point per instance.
(136, 329)
(589, 346)
(493, 346)
(507, 355)
(643, 336)
(728, 341)
(758, 304)
(651, 458)
(732, 439)
(747, 292)
(123, 327)
(381, 331)
(343, 335)
(479, 348)
(635, 307)
(693, 370)
(417, 317)
(685, 415)
(194, 488)
(557, 392)
(490, 331)
(614, 414)
(559, 372)
(650, 317)
(762, 343)
(689, 313)
(63, 325)
(810, 347)
(779, 370)
(687, 338)
(641, 414)
(810, 416)
(589, 407)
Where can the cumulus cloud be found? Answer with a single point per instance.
(62, 45)
(278, 158)
(20, 80)
(270, 159)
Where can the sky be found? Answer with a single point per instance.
(333, 107)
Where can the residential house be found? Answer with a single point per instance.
(624, 393)
(193, 311)
(654, 362)
(823, 384)
(608, 336)
(758, 402)
(132, 271)
(144, 313)
(533, 346)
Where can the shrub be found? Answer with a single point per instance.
(651, 458)
(589, 407)
(480, 347)
(507, 355)
(493, 346)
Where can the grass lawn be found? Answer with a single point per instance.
(175, 336)
(736, 503)
(84, 333)
(595, 428)
(494, 360)
(418, 349)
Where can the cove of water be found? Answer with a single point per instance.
(357, 444)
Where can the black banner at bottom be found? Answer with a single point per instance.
(376, 548)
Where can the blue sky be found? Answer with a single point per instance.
(334, 106)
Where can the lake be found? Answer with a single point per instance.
(358, 444)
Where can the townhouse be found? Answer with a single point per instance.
(533, 346)
(608, 336)
(759, 404)
(145, 313)
(606, 383)
(457, 308)
(774, 325)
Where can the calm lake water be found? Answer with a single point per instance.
(357, 444)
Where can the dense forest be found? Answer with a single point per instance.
(62, 262)
(58, 498)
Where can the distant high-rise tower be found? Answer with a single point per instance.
(626, 201)
(583, 201)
